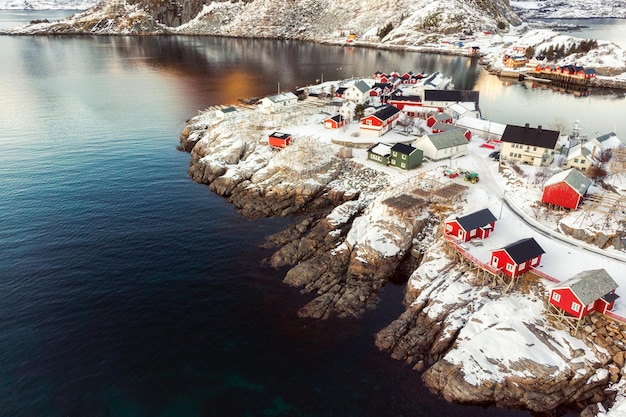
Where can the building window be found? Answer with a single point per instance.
(510, 267)
(534, 148)
(556, 296)
(575, 160)
(403, 165)
(448, 227)
(575, 306)
(404, 157)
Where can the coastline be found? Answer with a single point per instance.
(353, 239)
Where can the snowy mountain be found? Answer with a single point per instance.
(46, 4)
(571, 9)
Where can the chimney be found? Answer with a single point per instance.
(527, 125)
(539, 129)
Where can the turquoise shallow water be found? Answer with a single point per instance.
(128, 290)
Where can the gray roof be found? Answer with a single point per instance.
(362, 86)
(572, 177)
(605, 137)
(590, 285)
(449, 139)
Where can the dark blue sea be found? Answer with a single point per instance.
(128, 290)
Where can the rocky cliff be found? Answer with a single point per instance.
(474, 342)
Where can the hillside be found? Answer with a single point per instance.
(297, 19)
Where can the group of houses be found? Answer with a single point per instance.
(577, 297)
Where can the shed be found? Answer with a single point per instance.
(405, 156)
(518, 257)
(335, 122)
(478, 224)
(279, 139)
(566, 189)
(585, 292)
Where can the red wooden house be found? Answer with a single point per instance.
(439, 117)
(475, 225)
(518, 257)
(380, 122)
(566, 189)
(584, 293)
(335, 122)
(279, 140)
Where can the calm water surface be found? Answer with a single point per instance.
(128, 290)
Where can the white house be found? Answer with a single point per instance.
(347, 110)
(278, 102)
(226, 113)
(465, 109)
(444, 145)
(358, 92)
(579, 157)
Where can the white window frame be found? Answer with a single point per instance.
(556, 296)
(575, 306)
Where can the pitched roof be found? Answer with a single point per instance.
(477, 219)
(279, 98)
(403, 148)
(439, 117)
(386, 112)
(526, 135)
(451, 95)
(523, 250)
(589, 285)
(362, 86)
(337, 118)
(381, 149)
(481, 124)
(448, 139)
(572, 177)
(605, 137)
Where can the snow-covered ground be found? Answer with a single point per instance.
(571, 9)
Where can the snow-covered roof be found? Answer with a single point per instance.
(381, 149)
(577, 181)
(279, 98)
(480, 124)
(589, 285)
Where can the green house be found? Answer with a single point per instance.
(379, 153)
(405, 156)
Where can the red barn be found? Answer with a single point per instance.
(518, 257)
(475, 225)
(280, 140)
(566, 189)
(335, 122)
(584, 293)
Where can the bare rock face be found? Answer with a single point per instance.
(599, 239)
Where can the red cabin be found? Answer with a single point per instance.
(518, 257)
(475, 225)
(335, 122)
(584, 293)
(566, 189)
(280, 140)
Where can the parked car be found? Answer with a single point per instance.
(495, 155)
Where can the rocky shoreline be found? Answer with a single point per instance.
(351, 240)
